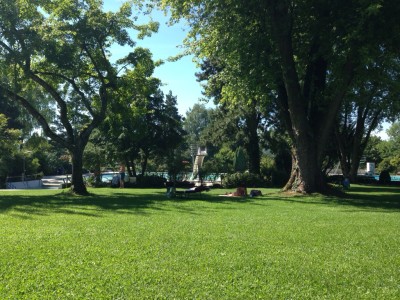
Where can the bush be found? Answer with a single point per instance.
(179, 184)
(151, 181)
(384, 177)
(364, 179)
(247, 179)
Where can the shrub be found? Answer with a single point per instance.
(384, 177)
(237, 179)
(149, 181)
(240, 162)
(363, 179)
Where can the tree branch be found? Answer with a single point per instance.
(61, 103)
(37, 115)
(76, 89)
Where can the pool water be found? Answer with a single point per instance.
(393, 177)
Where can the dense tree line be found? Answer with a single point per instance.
(298, 86)
(55, 62)
(307, 56)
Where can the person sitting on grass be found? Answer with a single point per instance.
(241, 191)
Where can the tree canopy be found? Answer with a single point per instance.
(58, 53)
(302, 54)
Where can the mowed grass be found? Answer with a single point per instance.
(138, 244)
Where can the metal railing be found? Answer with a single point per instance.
(24, 177)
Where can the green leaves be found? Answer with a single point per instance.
(62, 48)
(141, 59)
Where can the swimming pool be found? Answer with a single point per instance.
(393, 177)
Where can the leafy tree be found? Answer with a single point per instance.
(373, 100)
(390, 150)
(372, 151)
(60, 51)
(394, 137)
(197, 119)
(47, 154)
(16, 117)
(304, 54)
(9, 145)
(143, 122)
(96, 154)
(243, 110)
(239, 163)
(170, 144)
(130, 119)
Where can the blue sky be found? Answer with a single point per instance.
(179, 76)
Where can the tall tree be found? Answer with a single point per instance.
(372, 100)
(244, 110)
(9, 144)
(304, 53)
(62, 49)
(390, 150)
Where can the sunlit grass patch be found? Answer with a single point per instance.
(138, 244)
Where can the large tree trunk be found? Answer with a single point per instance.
(341, 143)
(253, 143)
(310, 113)
(78, 185)
(351, 143)
(293, 173)
(305, 178)
(143, 161)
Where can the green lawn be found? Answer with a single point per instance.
(138, 244)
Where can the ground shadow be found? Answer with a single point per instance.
(376, 197)
(360, 196)
(40, 204)
(126, 201)
(369, 197)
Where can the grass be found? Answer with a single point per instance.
(138, 244)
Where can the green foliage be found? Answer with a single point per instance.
(297, 55)
(97, 152)
(224, 159)
(386, 153)
(239, 179)
(47, 154)
(142, 123)
(271, 173)
(149, 181)
(56, 63)
(174, 162)
(9, 138)
(9, 149)
(386, 165)
(197, 119)
(372, 150)
(240, 163)
(395, 162)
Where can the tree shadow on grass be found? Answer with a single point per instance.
(359, 196)
(91, 205)
(128, 201)
(371, 197)
(144, 202)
